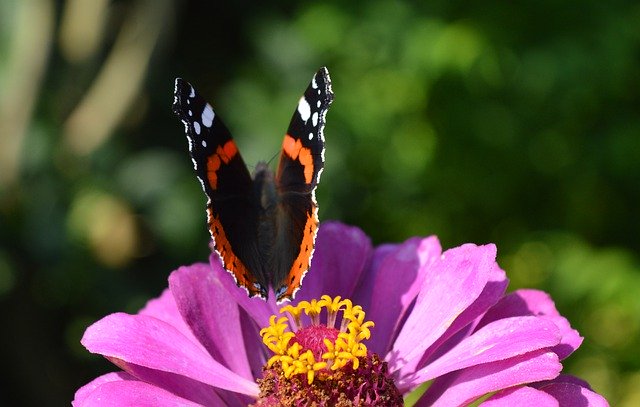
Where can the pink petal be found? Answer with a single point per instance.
(396, 285)
(362, 295)
(214, 320)
(563, 378)
(499, 340)
(535, 302)
(569, 394)
(451, 284)
(131, 393)
(521, 397)
(258, 309)
(182, 386)
(467, 385)
(465, 324)
(256, 351)
(164, 308)
(83, 392)
(340, 256)
(178, 385)
(149, 342)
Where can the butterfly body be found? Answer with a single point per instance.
(263, 226)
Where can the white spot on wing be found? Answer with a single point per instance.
(196, 127)
(318, 104)
(190, 112)
(193, 92)
(310, 136)
(208, 115)
(304, 109)
(314, 84)
(204, 143)
(314, 119)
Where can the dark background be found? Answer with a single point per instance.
(508, 122)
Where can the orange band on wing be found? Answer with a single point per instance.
(294, 149)
(223, 154)
(230, 261)
(301, 264)
(228, 151)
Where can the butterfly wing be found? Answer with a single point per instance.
(232, 210)
(298, 174)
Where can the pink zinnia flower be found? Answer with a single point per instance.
(430, 316)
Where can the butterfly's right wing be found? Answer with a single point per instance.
(298, 174)
(232, 210)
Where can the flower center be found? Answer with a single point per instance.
(316, 362)
(312, 338)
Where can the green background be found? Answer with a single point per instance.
(516, 123)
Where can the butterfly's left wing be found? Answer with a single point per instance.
(298, 174)
(232, 209)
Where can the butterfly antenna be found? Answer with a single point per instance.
(272, 157)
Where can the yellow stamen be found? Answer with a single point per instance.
(332, 306)
(294, 312)
(346, 348)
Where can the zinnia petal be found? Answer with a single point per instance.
(569, 394)
(340, 256)
(466, 323)
(539, 303)
(467, 385)
(451, 284)
(500, 340)
(521, 397)
(131, 393)
(562, 378)
(150, 342)
(182, 386)
(83, 392)
(259, 310)
(363, 294)
(396, 285)
(165, 309)
(214, 320)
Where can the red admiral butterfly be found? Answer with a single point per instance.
(264, 228)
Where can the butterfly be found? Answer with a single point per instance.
(263, 227)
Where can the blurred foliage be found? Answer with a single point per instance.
(514, 123)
